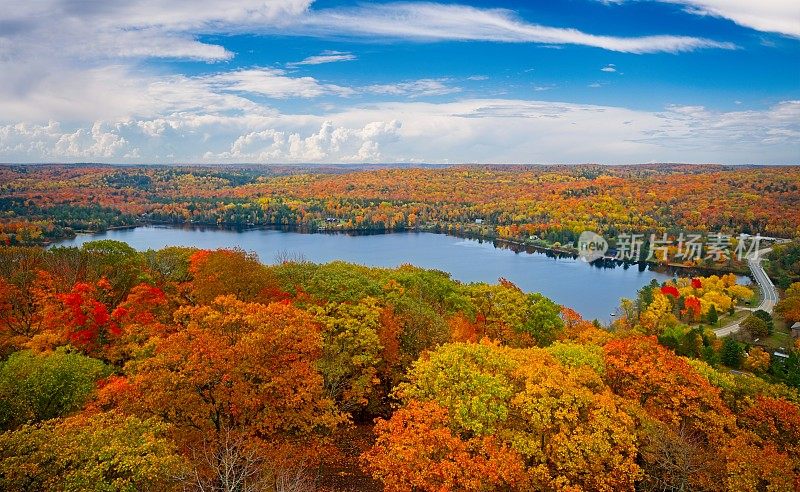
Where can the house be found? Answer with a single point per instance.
(796, 330)
(479, 221)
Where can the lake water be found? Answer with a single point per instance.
(592, 291)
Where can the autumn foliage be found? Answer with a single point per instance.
(185, 369)
(555, 203)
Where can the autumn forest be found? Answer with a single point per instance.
(207, 369)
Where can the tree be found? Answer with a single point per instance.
(757, 360)
(692, 308)
(760, 313)
(578, 355)
(516, 318)
(351, 351)
(247, 367)
(732, 353)
(40, 387)
(118, 263)
(654, 317)
(22, 292)
(645, 295)
(562, 420)
(675, 459)
(144, 314)
(754, 465)
(666, 387)
(755, 326)
(217, 273)
(789, 306)
(712, 317)
(417, 450)
(776, 420)
(102, 452)
(542, 319)
(82, 316)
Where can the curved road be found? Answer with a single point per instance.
(769, 295)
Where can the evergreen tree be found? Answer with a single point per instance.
(732, 353)
(712, 317)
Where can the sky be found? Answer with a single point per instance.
(340, 81)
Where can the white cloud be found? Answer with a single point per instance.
(610, 68)
(79, 62)
(415, 88)
(329, 144)
(74, 88)
(474, 130)
(134, 28)
(436, 22)
(779, 16)
(326, 56)
(146, 29)
(271, 82)
(37, 142)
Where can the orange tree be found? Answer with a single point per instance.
(235, 366)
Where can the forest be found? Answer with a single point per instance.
(188, 369)
(208, 370)
(546, 206)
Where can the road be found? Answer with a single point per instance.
(769, 295)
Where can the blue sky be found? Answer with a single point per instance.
(614, 81)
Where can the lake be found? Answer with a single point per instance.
(592, 291)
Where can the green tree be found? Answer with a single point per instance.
(732, 353)
(756, 326)
(712, 316)
(542, 319)
(40, 387)
(645, 295)
(760, 313)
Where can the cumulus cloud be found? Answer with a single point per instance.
(330, 144)
(610, 68)
(474, 130)
(49, 141)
